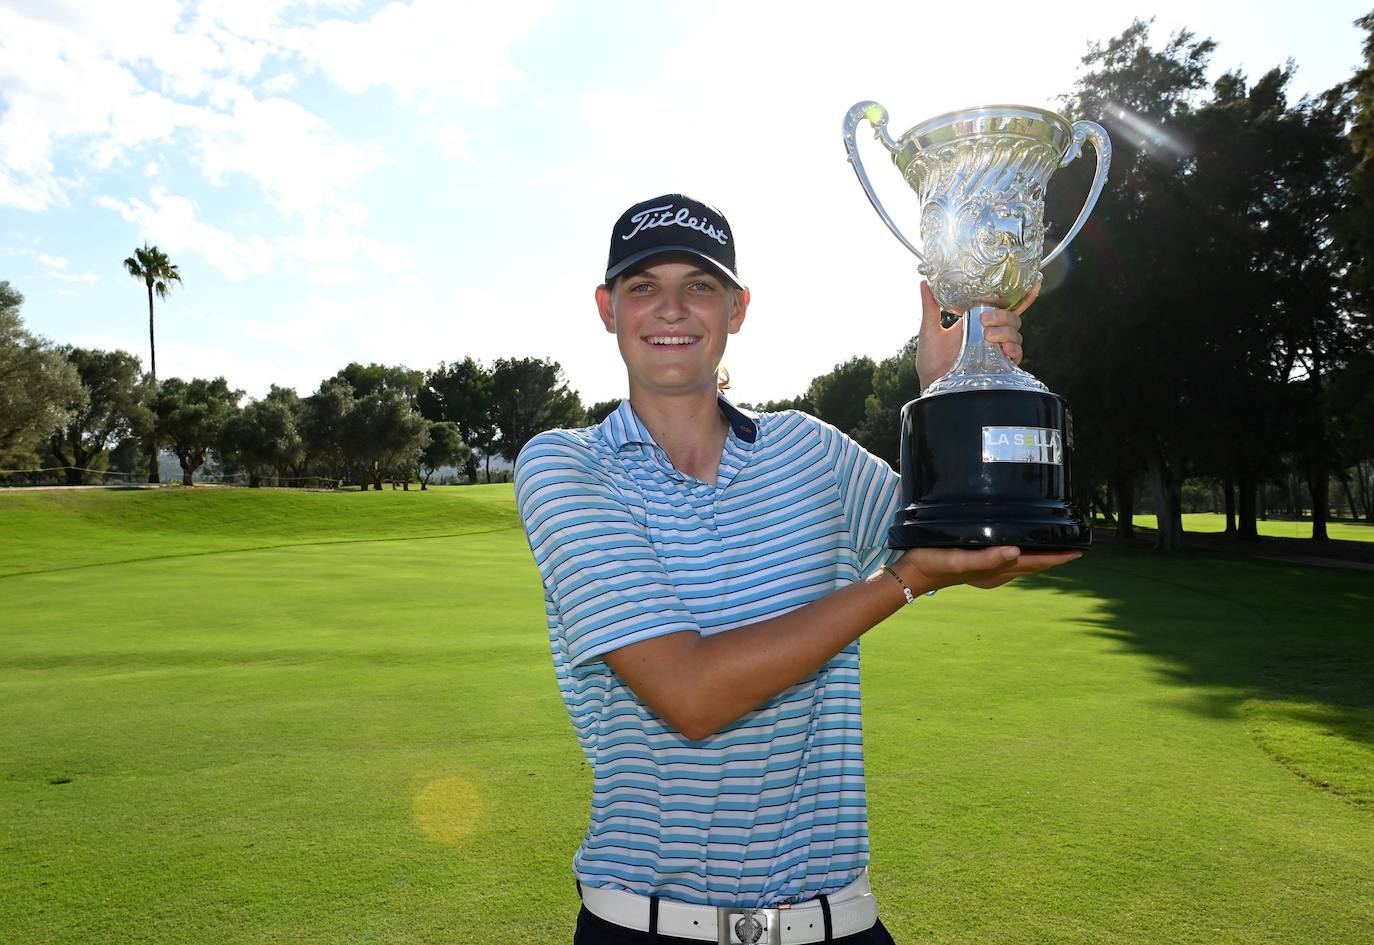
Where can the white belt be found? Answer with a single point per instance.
(853, 909)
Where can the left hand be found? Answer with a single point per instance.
(939, 346)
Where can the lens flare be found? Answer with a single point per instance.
(447, 810)
(1053, 275)
(1150, 135)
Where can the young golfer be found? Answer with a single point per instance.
(707, 575)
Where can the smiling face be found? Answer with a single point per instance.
(671, 319)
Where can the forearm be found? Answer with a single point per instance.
(701, 684)
(715, 680)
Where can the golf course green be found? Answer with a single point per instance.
(257, 716)
(1205, 523)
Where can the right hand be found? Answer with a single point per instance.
(939, 346)
(934, 568)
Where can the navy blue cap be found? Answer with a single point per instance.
(673, 223)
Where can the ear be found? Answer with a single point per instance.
(605, 308)
(741, 307)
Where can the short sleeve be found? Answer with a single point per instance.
(599, 569)
(871, 492)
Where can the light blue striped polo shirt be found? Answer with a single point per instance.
(771, 809)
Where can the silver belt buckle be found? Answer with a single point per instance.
(748, 926)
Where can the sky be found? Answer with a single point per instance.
(417, 182)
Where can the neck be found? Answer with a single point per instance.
(688, 426)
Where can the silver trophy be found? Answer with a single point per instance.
(989, 466)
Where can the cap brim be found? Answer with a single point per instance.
(639, 257)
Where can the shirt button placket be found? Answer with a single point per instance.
(705, 501)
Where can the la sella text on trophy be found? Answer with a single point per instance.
(985, 448)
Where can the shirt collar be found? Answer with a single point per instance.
(622, 427)
(742, 423)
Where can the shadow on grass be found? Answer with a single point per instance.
(1241, 633)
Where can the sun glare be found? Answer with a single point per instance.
(447, 810)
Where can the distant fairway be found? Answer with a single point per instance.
(1212, 522)
(241, 716)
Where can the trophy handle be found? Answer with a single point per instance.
(876, 116)
(1085, 131)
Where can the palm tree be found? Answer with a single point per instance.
(158, 272)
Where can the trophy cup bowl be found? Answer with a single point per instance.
(985, 448)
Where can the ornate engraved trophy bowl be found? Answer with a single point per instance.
(991, 468)
(980, 177)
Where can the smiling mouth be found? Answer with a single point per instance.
(672, 341)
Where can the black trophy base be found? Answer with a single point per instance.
(988, 467)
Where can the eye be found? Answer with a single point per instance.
(640, 287)
(703, 286)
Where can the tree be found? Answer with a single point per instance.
(40, 390)
(384, 431)
(894, 384)
(191, 416)
(263, 435)
(1350, 399)
(158, 272)
(384, 434)
(129, 455)
(529, 396)
(1356, 225)
(1121, 338)
(1206, 304)
(602, 409)
(461, 393)
(116, 404)
(370, 378)
(446, 448)
(840, 396)
(1352, 402)
(799, 402)
(1317, 327)
(323, 424)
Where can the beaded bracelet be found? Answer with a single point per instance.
(910, 597)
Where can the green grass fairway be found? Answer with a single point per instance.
(54, 529)
(234, 716)
(1214, 523)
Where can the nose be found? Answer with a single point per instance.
(672, 306)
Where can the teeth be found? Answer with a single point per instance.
(672, 340)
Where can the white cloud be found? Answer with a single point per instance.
(332, 249)
(171, 221)
(253, 372)
(89, 278)
(35, 192)
(66, 77)
(134, 342)
(150, 169)
(250, 372)
(187, 46)
(55, 86)
(279, 84)
(292, 153)
(454, 141)
(425, 49)
(56, 267)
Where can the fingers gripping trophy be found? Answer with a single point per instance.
(985, 448)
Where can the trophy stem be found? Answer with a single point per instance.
(982, 365)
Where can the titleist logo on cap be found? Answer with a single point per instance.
(652, 217)
(672, 223)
